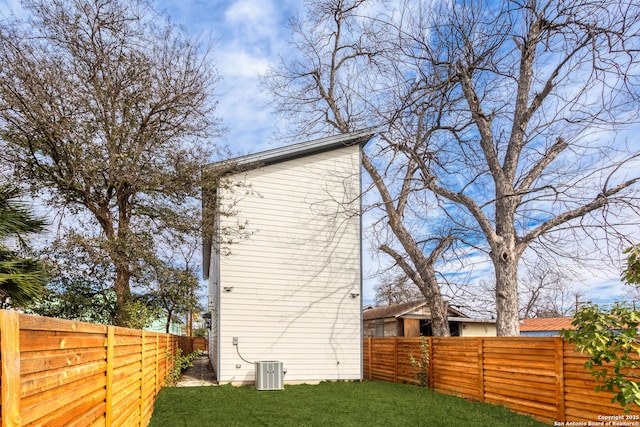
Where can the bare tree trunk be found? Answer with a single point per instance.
(422, 272)
(168, 324)
(437, 306)
(424, 277)
(505, 256)
(506, 271)
(123, 293)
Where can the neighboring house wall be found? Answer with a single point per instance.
(478, 329)
(381, 328)
(415, 322)
(389, 321)
(408, 327)
(412, 319)
(160, 325)
(291, 291)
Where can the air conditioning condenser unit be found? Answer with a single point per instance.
(269, 375)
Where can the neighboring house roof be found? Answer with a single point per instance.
(283, 154)
(395, 310)
(541, 324)
(399, 310)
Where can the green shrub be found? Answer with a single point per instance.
(180, 363)
(422, 363)
(610, 337)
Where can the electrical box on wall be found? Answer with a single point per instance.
(269, 375)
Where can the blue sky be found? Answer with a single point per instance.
(250, 35)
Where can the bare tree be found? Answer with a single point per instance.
(175, 292)
(396, 290)
(505, 113)
(172, 283)
(106, 110)
(325, 89)
(523, 124)
(545, 290)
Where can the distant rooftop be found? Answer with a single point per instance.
(546, 324)
(399, 310)
(395, 310)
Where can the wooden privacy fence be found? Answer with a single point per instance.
(60, 372)
(191, 344)
(542, 377)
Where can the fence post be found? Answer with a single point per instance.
(430, 376)
(480, 368)
(142, 375)
(370, 341)
(157, 355)
(110, 361)
(559, 360)
(10, 351)
(169, 361)
(395, 359)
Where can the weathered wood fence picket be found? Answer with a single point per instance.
(191, 344)
(60, 372)
(542, 377)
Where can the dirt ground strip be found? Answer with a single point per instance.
(200, 374)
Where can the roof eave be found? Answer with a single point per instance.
(294, 151)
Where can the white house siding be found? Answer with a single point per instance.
(214, 297)
(295, 283)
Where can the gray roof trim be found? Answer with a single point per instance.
(471, 319)
(301, 149)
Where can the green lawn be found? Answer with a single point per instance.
(326, 404)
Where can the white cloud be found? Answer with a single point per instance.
(255, 17)
(11, 6)
(235, 65)
(250, 36)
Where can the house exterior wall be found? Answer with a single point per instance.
(369, 328)
(213, 308)
(410, 327)
(160, 325)
(381, 327)
(291, 291)
(476, 329)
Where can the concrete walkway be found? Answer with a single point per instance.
(200, 374)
